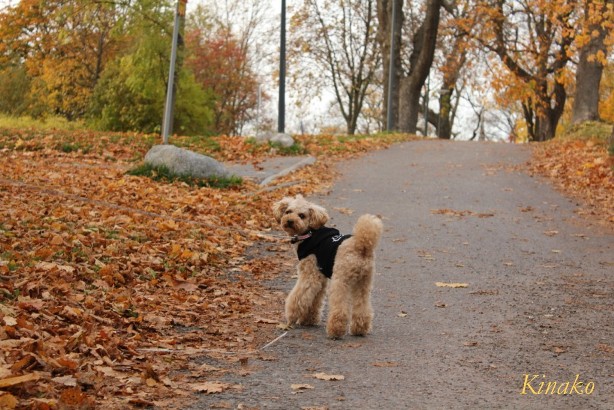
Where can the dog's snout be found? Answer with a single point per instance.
(290, 223)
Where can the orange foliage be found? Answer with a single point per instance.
(221, 65)
(582, 169)
(109, 283)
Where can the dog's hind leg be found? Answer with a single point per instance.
(362, 311)
(339, 306)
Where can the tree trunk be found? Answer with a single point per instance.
(589, 71)
(421, 60)
(384, 15)
(444, 123)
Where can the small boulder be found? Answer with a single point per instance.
(285, 140)
(184, 162)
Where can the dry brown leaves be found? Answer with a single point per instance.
(581, 168)
(111, 283)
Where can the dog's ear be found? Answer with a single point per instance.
(318, 216)
(279, 208)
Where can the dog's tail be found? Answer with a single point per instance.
(367, 233)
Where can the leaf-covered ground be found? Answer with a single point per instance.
(111, 285)
(583, 169)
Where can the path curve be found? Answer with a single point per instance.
(539, 299)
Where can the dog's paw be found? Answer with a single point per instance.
(285, 326)
(335, 333)
(360, 327)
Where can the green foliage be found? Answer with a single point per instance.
(131, 93)
(294, 149)
(163, 174)
(68, 147)
(44, 123)
(14, 88)
(200, 143)
(589, 130)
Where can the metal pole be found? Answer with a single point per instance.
(259, 109)
(391, 69)
(168, 107)
(426, 106)
(281, 118)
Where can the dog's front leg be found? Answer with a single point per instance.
(304, 303)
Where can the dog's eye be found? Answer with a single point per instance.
(302, 216)
(288, 212)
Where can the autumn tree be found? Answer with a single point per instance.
(221, 66)
(131, 92)
(226, 51)
(420, 62)
(339, 37)
(387, 29)
(64, 46)
(415, 53)
(532, 40)
(455, 56)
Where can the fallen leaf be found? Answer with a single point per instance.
(470, 344)
(7, 401)
(328, 377)
(12, 381)
(140, 402)
(385, 364)
(65, 380)
(402, 313)
(344, 211)
(551, 233)
(299, 387)
(440, 304)
(451, 285)
(210, 387)
(56, 240)
(605, 348)
(267, 321)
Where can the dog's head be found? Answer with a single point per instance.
(298, 216)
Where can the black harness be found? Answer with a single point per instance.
(323, 243)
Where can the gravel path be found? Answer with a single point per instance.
(538, 306)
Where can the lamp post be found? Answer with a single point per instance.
(391, 69)
(167, 124)
(281, 116)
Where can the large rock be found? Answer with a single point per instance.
(183, 162)
(285, 140)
